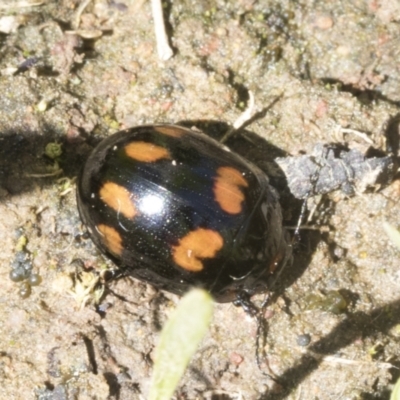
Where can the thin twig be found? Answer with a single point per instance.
(249, 116)
(21, 4)
(246, 115)
(163, 48)
(345, 361)
(361, 135)
(77, 18)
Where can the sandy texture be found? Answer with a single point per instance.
(334, 66)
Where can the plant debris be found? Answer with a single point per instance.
(334, 167)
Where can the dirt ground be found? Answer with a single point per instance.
(320, 72)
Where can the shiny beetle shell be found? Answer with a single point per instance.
(177, 209)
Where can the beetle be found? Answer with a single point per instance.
(177, 209)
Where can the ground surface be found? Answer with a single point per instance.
(334, 66)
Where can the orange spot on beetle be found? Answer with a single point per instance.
(118, 198)
(146, 152)
(196, 245)
(111, 238)
(228, 189)
(173, 131)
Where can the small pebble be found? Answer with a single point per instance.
(25, 290)
(35, 280)
(323, 22)
(18, 274)
(303, 340)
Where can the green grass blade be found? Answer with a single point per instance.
(393, 233)
(178, 342)
(396, 391)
